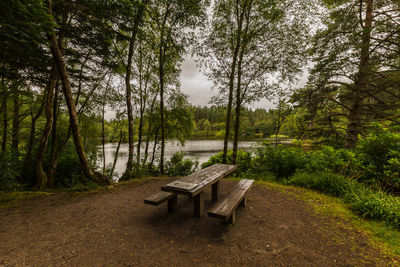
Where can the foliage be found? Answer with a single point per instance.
(355, 77)
(375, 205)
(325, 182)
(69, 173)
(9, 165)
(180, 166)
(379, 156)
(243, 163)
(281, 161)
(83, 185)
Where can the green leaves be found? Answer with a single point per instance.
(23, 25)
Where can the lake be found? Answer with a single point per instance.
(201, 150)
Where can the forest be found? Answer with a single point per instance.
(331, 68)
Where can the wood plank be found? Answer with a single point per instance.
(159, 198)
(227, 210)
(195, 183)
(227, 206)
(241, 185)
(183, 185)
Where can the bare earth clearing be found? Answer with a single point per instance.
(115, 228)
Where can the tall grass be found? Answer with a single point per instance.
(375, 205)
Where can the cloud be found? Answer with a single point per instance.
(199, 88)
(195, 84)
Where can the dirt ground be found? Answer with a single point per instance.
(115, 228)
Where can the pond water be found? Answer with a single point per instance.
(201, 150)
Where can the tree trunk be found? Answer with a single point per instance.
(361, 83)
(137, 21)
(5, 119)
(141, 109)
(103, 139)
(161, 61)
(129, 165)
(58, 59)
(15, 122)
(148, 131)
(41, 175)
(162, 120)
(116, 155)
(237, 109)
(53, 141)
(231, 83)
(28, 156)
(154, 148)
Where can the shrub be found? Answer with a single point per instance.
(243, 161)
(82, 184)
(379, 155)
(281, 161)
(333, 160)
(325, 182)
(375, 205)
(69, 171)
(9, 166)
(179, 166)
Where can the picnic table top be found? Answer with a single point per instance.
(196, 182)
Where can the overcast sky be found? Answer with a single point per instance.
(199, 88)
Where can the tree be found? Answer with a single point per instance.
(173, 21)
(257, 43)
(137, 20)
(355, 54)
(280, 115)
(60, 64)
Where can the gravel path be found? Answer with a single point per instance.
(114, 228)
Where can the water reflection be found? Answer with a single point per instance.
(201, 150)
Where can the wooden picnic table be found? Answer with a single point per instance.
(194, 185)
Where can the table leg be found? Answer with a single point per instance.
(172, 203)
(215, 192)
(232, 219)
(243, 203)
(198, 205)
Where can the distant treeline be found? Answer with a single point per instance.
(209, 123)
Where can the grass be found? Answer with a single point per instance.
(382, 236)
(8, 199)
(367, 203)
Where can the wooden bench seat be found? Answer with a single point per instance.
(161, 197)
(226, 208)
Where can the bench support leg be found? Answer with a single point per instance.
(243, 203)
(215, 192)
(232, 219)
(198, 205)
(172, 203)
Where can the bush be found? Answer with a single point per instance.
(329, 159)
(243, 161)
(325, 182)
(82, 185)
(375, 205)
(379, 155)
(9, 166)
(69, 171)
(179, 166)
(281, 161)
